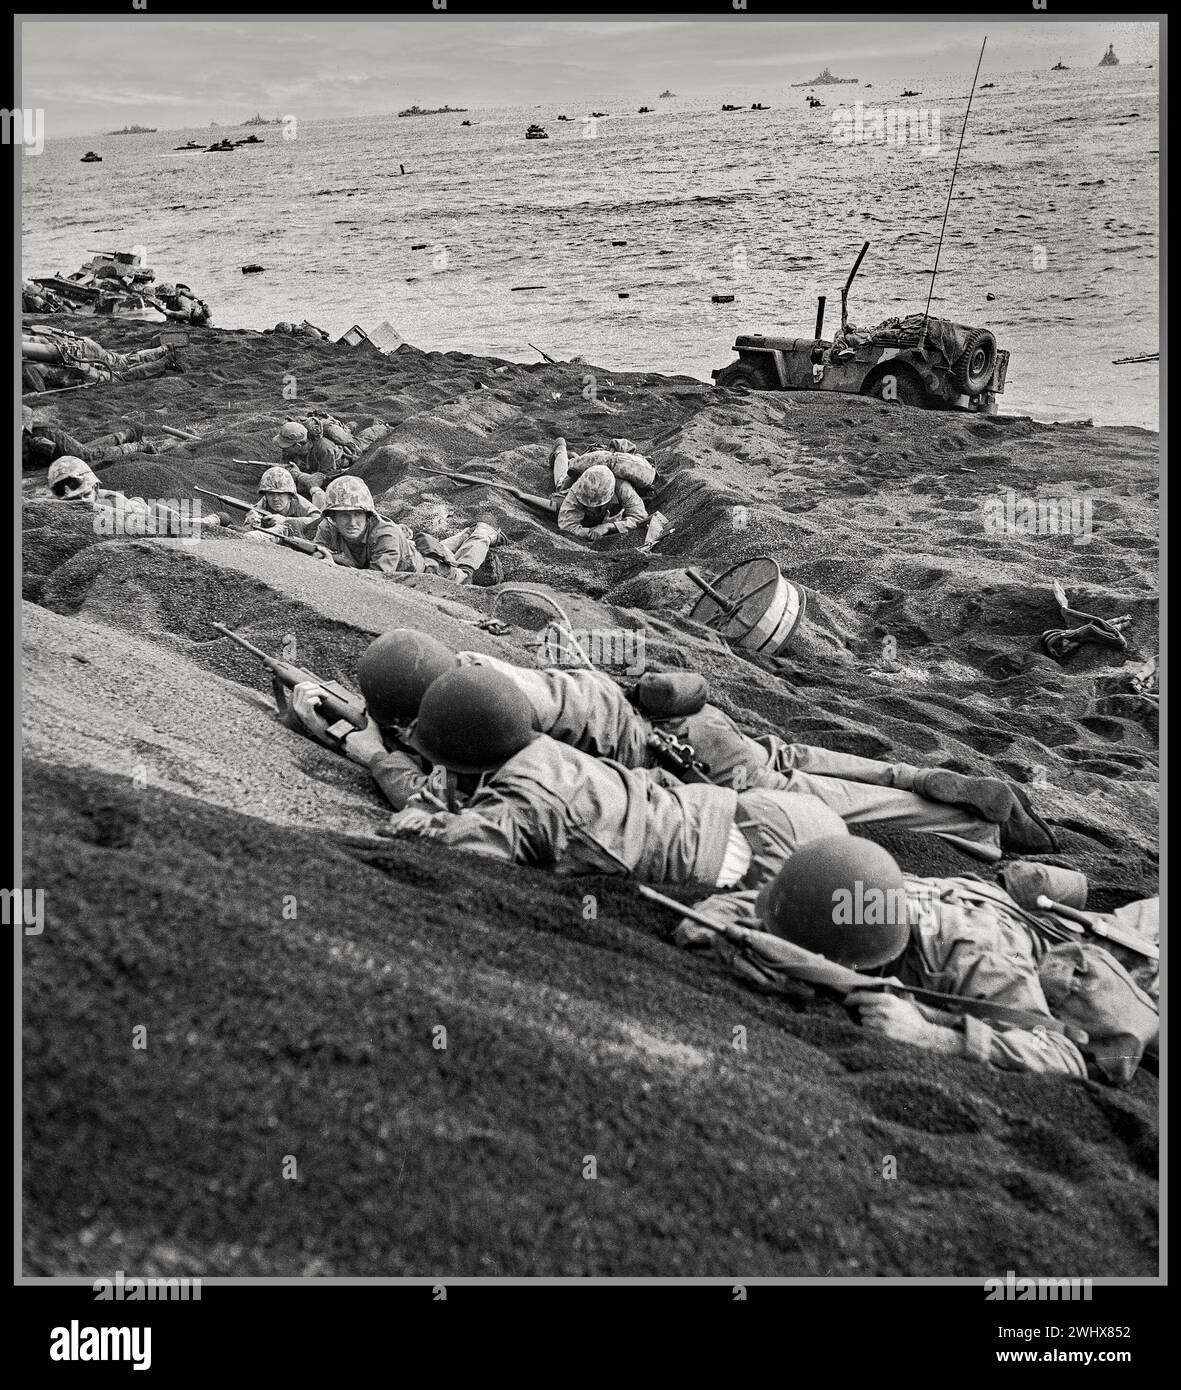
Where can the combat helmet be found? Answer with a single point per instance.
(291, 435)
(595, 487)
(472, 720)
(277, 479)
(70, 477)
(349, 495)
(396, 671)
(842, 897)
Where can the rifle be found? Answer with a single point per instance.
(338, 705)
(678, 757)
(773, 953)
(1131, 941)
(57, 390)
(292, 542)
(340, 472)
(531, 499)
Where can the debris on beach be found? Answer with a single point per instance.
(116, 283)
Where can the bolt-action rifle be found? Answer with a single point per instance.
(773, 955)
(293, 542)
(531, 499)
(343, 710)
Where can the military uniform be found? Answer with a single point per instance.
(967, 938)
(41, 444)
(301, 520)
(624, 512)
(384, 546)
(118, 514)
(97, 363)
(590, 712)
(550, 806)
(458, 557)
(314, 465)
(861, 790)
(585, 709)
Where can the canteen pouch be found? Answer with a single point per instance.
(1027, 879)
(671, 694)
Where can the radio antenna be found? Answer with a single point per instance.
(951, 189)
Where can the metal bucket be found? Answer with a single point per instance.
(752, 606)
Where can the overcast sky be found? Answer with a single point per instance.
(89, 77)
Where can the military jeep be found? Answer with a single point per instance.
(917, 360)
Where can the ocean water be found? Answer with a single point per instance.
(1055, 215)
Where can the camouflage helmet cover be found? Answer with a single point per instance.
(595, 488)
(349, 495)
(68, 468)
(277, 479)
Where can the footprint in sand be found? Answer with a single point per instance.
(1115, 730)
(1130, 540)
(1054, 733)
(986, 740)
(1106, 767)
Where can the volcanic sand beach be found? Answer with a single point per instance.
(213, 876)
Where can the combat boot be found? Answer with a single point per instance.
(986, 796)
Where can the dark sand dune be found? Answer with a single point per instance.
(570, 1031)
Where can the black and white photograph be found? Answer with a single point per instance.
(590, 660)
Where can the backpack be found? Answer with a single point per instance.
(1086, 985)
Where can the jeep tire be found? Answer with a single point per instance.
(748, 374)
(974, 367)
(901, 385)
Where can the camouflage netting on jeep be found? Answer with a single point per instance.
(908, 332)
